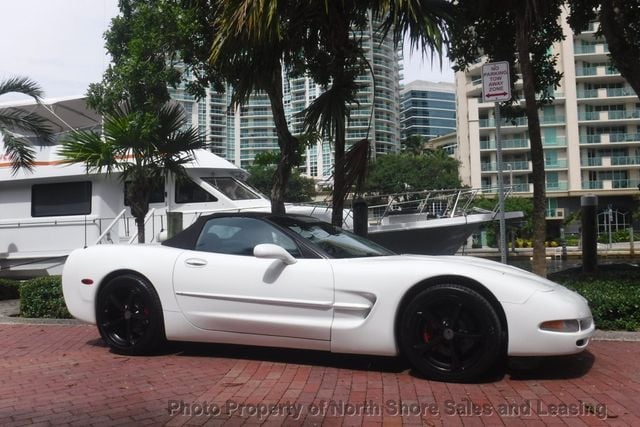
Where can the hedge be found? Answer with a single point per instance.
(613, 294)
(42, 297)
(9, 289)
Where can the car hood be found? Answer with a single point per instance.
(509, 284)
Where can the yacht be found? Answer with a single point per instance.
(58, 207)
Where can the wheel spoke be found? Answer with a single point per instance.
(471, 336)
(116, 302)
(130, 297)
(426, 347)
(128, 333)
(110, 324)
(455, 357)
(456, 315)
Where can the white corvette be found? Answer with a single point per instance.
(293, 281)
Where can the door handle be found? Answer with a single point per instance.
(195, 262)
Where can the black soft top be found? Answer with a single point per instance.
(188, 237)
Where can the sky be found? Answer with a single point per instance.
(60, 45)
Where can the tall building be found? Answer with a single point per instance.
(428, 109)
(590, 134)
(240, 134)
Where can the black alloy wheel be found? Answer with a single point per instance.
(129, 315)
(451, 333)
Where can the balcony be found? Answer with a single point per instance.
(605, 138)
(625, 160)
(609, 115)
(524, 166)
(558, 141)
(588, 49)
(505, 144)
(611, 184)
(597, 71)
(555, 164)
(557, 186)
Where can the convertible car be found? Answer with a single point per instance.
(293, 281)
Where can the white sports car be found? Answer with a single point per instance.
(293, 281)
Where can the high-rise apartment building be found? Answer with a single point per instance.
(242, 133)
(590, 134)
(428, 109)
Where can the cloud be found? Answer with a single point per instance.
(57, 43)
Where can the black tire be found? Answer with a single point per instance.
(451, 333)
(129, 315)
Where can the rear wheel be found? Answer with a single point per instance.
(451, 333)
(129, 315)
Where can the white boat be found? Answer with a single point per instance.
(57, 207)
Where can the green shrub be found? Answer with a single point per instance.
(9, 289)
(613, 294)
(42, 297)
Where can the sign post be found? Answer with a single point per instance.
(496, 88)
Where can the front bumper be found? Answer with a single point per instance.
(527, 338)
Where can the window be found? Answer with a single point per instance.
(188, 191)
(231, 188)
(239, 235)
(65, 198)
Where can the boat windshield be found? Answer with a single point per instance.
(336, 242)
(231, 188)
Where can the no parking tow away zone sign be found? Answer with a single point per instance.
(496, 82)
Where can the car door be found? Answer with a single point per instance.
(221, 286)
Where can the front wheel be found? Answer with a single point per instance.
(129, 315)
(450, 333)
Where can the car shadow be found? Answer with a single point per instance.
(550, 368)
(289, 355)
(514, 368)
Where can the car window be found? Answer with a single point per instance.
(238, 236)
(336, 242)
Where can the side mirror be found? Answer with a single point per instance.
(271, 251)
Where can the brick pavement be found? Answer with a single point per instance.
(64, 375)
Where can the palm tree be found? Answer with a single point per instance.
(413, 144)
(332, 25)
(252, 41)
(16, 125)
(142, 147)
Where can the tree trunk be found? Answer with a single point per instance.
(337, 205)
(624, 53)
(538, 263)
(286, 141)
(138, 195)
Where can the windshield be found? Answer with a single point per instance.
(231, 188)
(336, 242)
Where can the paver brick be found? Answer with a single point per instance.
(65, 375)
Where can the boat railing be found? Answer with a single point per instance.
(432, 203)
(150, 215)
(107, 232)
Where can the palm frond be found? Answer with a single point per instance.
(425, 22)
(23, 85)
(89, 148)
(356, 166)
(24, 122)
(21, 153)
